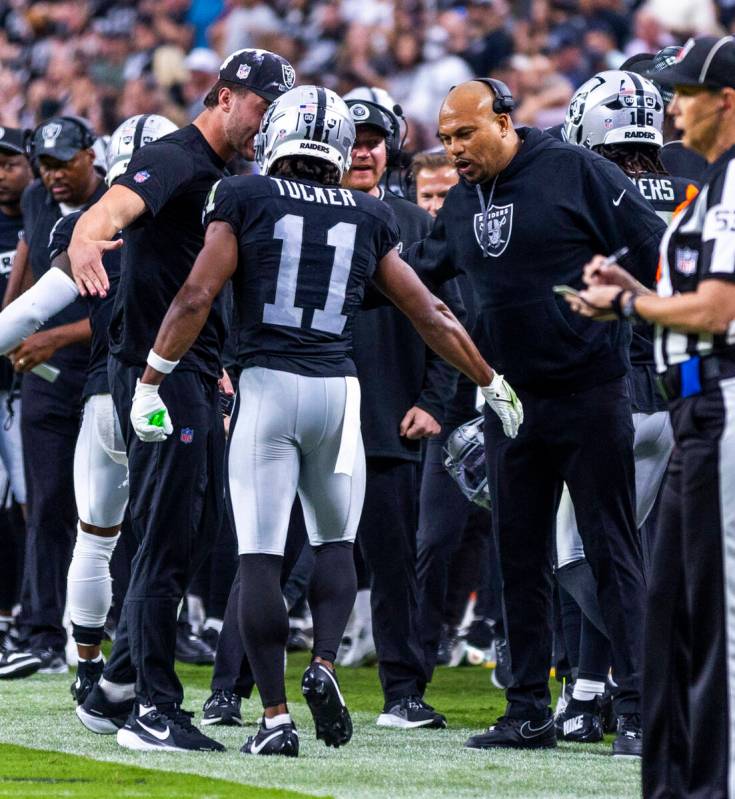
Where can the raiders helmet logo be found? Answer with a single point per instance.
(289, 76)
(49, 133)
(499, 220)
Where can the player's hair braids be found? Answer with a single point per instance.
(634, 160)
(305, 168)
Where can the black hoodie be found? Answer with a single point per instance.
(550, 211)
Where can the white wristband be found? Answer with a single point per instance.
(160, 364)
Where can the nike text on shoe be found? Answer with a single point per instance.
(100, 715)
(331, 718)
(149, 729)
(580, 722)
(510, 733)
(409, 713)
(222, 707)
(88, 675)
(629, 740)
(52, 661)
(281, 740)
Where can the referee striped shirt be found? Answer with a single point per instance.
(699, 245)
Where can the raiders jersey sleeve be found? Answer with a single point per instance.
(305, 255)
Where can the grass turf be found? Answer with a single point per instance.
(37, 712)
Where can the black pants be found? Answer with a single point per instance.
(387, 538)
(689, 690)
(49, 428)
(585, 440)
(176, 502)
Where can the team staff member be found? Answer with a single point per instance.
(527, 210)
(689, 745)
(404, 389)
(433, 174)
(15, 175)
(176, 487)
(51, 411)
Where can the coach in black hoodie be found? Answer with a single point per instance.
(528, 213)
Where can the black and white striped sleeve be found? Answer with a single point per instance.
(718, 232)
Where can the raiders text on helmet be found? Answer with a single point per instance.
(130, 137)
(615, 107)
(308, 120)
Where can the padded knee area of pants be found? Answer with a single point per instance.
(89, 585)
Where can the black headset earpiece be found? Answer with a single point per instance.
(503, 102)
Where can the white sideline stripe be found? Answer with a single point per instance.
(727, 516)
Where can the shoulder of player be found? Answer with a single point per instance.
(374, 206)
(249, 185)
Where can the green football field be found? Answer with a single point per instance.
(45, 752)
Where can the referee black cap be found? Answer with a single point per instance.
(706, 61)
(364, 112)
(262, 72)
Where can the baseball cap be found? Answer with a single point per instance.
(365, 112)
(262, 72)
(202, 59)
(61, 138)
(706, 61)
(12, 140)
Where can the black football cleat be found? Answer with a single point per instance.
(15, 663)
(629, 740)
(510, 733)
(192, 648)
(580, 722)
(98, 714)
(281, 740)
(88, 675)
(332, 720)
(222, 707)
(149, 729)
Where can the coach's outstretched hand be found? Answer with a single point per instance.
(504, 401)
(149, 415)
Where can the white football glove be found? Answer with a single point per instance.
(504, 401)
(149, 415)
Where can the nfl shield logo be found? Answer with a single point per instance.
(187, 435)
(243, 71)
(499, 220)
(289, 76)
(142, 176)
(686, 261)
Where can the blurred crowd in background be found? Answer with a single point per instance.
(109, 59)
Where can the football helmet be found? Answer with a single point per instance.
(464, 459)
(615, 107)
(309, 121)
(130, 137)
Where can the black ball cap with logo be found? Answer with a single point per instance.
(364, 112)
(61, 138)
(707, 61)
(262, 72)
(12, 141)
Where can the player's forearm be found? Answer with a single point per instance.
(98, 223)
(180, 327)
(694, 312)
(441, 331)
(19, 274)
(74, 333)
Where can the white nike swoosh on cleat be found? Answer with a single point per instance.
(617, 202)
(162, 736)
(255, 749)
(336, 686)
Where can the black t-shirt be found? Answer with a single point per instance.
(306, 253)
(99, 308)
(173, 177)
(10, 229)
(40, 214)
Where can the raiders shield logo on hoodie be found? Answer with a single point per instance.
(499, 219)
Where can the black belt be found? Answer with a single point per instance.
(691, 377)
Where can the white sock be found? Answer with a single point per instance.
(276, 721)
(213, 624)
(90, 660)
(117, 692)
(89, 585)
(585, 690)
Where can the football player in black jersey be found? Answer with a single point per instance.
(176, 487)
(300, 251)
